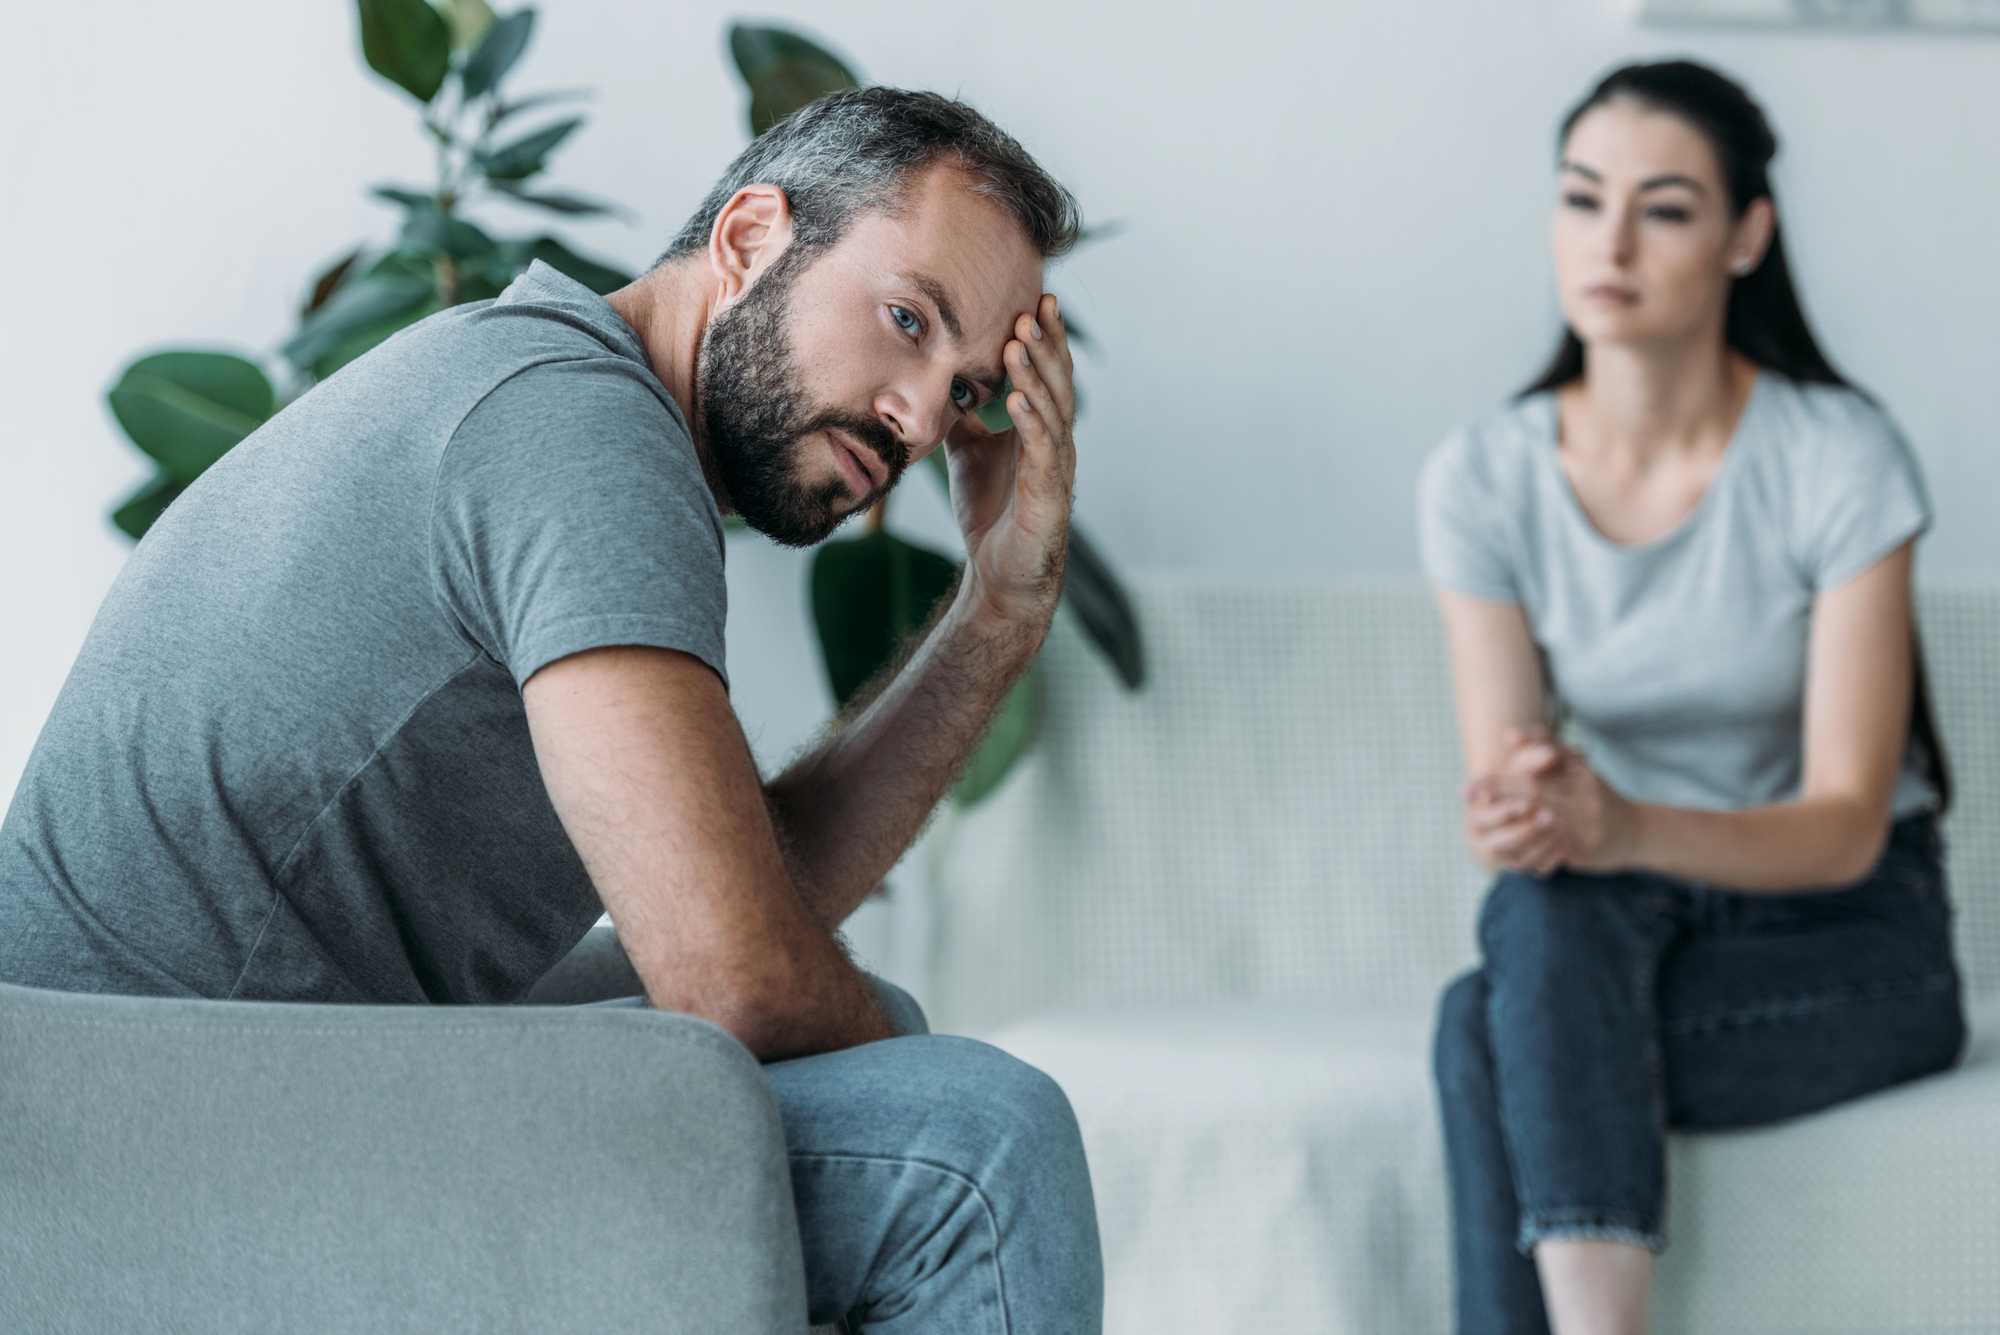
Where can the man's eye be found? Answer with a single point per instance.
(905, 320)
(962, 394)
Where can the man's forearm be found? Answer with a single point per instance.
(850, 808)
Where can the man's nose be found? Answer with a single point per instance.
(916, 413)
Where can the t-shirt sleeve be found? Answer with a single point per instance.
(1462, 525)
(570, 513)
(1864, 492)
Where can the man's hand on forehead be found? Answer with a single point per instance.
(1011, 488)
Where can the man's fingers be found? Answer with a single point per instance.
(1045, 351)
(1048, 320)
(1029, 380)
(1046, 451)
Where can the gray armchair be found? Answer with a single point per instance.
(171, 1165)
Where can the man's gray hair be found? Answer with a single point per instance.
(854, 151)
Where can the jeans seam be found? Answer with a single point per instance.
(1799, 1007)
(970, 1183)
(1648, 982)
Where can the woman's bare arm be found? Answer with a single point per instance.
(1497, 683)
(1496, 677)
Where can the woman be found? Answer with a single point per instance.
(1690, 541)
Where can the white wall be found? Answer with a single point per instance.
(1335, 246)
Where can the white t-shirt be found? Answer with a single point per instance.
(1681, 662)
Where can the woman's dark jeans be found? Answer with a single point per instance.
(1612, 1007)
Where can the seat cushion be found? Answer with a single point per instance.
(1276, 1165)
(1259, 1165)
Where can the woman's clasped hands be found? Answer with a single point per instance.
(1543, 808)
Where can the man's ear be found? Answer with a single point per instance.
(750, 233)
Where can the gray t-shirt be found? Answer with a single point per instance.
(291, 761)
(1681, 662)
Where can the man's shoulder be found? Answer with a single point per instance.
(541, 319)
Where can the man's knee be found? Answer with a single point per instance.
(1000, 1099)
(950, 1100)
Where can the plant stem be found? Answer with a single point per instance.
(449, 281)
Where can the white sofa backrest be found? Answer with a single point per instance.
(1276, 813)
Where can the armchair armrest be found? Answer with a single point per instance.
(256, 1167)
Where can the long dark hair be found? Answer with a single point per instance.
(1764, 322)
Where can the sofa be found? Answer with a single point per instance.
(1219, 912)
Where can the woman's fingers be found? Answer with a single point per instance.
(1505, 808)
(1535, 841)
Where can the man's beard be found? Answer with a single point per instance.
(756, 415)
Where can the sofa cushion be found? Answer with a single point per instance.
(1268, 1165)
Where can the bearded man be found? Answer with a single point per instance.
(429, 671)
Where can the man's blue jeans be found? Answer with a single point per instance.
(941, 1187)
(1609, 1008)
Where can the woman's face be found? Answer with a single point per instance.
(1646, 244)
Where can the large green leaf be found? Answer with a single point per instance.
(1100, 603)
(529, 103)
(784, 72)
(496, 53)
(553, 202)
(359, 304)
(328, 282)
(368, 336)
(869, 594)
(406, 42)
(403, 264)
(524, 157)
(1011, 734)
(513, 258)
(469, 21)
(144, 506)
(427, 229)
(409, 199)
(185, 409)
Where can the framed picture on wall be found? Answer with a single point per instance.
(1889, 14)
